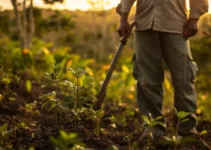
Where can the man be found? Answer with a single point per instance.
(162, 31)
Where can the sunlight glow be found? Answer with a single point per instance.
(73, 4)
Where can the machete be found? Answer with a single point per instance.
(102, 93)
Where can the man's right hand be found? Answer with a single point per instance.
(124, 28)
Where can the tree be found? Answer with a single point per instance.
(24, 17)
(24, 22)
(99, 6)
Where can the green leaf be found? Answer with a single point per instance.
(125, 69)
(185, 120)
(82, 73)
(7, 133)
(52, 99)
(53, 105)
(71, 69)
(112, 147)
(158, 118)
(93, 118)
(69, 83)
(63, 134)
(58, 143)
(183, 114)
(90, 111)
(187, 139)
(203, 132)
(57, 68)
(48, 74)
(46, 104)
(3, 127)
(72, 136)
(168, 139)
(145, 119)
(49, 94)
(31, 148)
(86, 80)
(28, 85)
(100, 113)
(154, 123)
(46, 85)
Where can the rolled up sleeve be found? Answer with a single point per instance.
(198, 8)
(126, 5)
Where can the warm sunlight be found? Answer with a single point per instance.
(74, 4)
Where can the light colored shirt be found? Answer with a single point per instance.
(164, 15)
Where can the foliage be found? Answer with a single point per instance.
(149, 124)
(5, 134)
(176, 140)
(67, 141)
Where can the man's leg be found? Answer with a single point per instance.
(183, 69)
(148, 71)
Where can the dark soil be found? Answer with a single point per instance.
(40, 125)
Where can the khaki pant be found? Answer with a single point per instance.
(151, 48)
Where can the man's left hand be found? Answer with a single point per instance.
(190, 29)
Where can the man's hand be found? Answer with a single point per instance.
(190, 29)
(124, 28)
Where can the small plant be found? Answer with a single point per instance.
(150, 123)
(4, 135)
(126, 138)
(81, 83)
(76, 102)
(54, 102)
(175, 140)
(67, 141)
(96, 117)
(8, 82)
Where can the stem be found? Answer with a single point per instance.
(77, 94)
(176, 132)
(98, 128)
(128, 140)
(177, 127)
(57, 92)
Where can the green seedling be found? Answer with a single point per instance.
(66, 141)
(149, 124)
(5, 134)
(73, 105)
(176, 140)
(126, 138)
(82, 80)
(54, 101)
(96, 117)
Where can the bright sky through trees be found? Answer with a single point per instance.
(69, 4)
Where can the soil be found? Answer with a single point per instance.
(40, 125)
